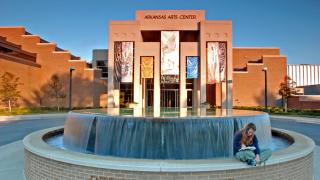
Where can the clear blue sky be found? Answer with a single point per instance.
(82, 25)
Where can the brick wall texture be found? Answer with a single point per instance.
(294, 102)
(41, 168)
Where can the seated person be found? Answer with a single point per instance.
(246, 146)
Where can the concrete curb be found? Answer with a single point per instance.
(31, 117)
(298, 119)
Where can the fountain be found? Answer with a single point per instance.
(199, 135)
(137, 144)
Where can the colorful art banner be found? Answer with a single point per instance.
(222, 60)
(117, 60)
(192, 67)
(216, 59)
(124, 61)
(146, 67)
(169, 52)
(127, 62)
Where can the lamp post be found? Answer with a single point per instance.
(265, 69)
(70, 87)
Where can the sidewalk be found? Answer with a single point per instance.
(316, 160)
(11, 161)
(32, 117)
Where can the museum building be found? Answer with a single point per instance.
(177, 58)
(163, 58)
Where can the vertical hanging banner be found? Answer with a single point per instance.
(146, 67)
(192, 67)
(222, 60)
(117, 60)
(216, 59)
(213, 62)
(127, 62)
(170, 55)
(123, 61)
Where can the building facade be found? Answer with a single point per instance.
(100, 61)
(163, 58)
(177, 58)
(304, 74)
(306, 79)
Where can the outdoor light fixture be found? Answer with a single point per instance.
(265, 69)
(70, 86)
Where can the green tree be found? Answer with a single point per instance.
(287, 88)
(9, 92)
(55, 90)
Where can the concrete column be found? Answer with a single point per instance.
(203, 64)
(229, 83)
(116, 95)
(143, 93)
(183, 91)
(136, 80)
(156, 89)
(223, 90)
(196, 94)
(218, 94)
(111, 76)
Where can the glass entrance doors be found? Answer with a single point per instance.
(169, 95)
(169, 98)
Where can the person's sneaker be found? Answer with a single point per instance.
(252, 162)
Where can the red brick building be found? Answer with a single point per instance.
(35, 60)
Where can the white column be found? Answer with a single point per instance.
(196, 94)
(203, 64)
(110, 76)
(143, 95)
(183, 91)
(229, 77)
(136, 81)
(156, 89)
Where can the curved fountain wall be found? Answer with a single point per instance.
(160, 137)
(43, 161)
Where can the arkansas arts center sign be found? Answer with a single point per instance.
(171, 16)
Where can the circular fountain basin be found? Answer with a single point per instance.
(69, 151)
(44, 161)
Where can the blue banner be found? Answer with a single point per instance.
(192, 67)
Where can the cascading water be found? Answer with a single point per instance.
(190, 137)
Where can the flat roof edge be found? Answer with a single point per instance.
(218, 21)
(255, 48)
(123, 22)
(281, 56)
(12, 27)
(170, 10)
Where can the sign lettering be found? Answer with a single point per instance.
(170, 16)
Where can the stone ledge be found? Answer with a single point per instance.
(37, 167)
(34, 143)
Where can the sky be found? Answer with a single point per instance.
(82, 25)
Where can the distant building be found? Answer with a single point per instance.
(307, 81)
(304, 74)
(100, 61)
